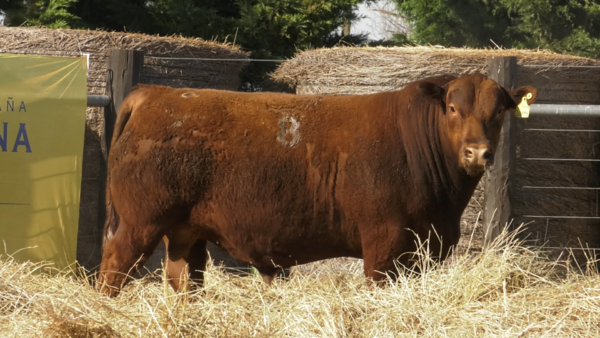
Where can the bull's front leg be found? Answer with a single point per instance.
(384, 246)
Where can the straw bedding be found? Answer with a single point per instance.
(507, 290)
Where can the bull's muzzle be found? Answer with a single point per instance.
(477, 157)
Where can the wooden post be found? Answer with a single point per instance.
(500, 177)
(124, 71)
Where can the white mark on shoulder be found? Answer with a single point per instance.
(176, 124)
(188, 94)
(289, 131)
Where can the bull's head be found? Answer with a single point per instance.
(474, 107)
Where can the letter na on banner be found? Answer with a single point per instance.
(42, 128)
(20, 140)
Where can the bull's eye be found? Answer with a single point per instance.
(452, 109)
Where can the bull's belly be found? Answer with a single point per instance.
(267, 236)
(263, 257)
(262, 251)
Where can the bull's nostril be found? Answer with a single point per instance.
(468, 153)
(487, 155)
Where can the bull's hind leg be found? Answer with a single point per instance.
(124, 254)
(185, 260)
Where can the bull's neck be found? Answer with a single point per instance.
(434, 168)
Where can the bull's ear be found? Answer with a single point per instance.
(517, 95)
(432, 90)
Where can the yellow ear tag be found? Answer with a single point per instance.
(522, 110)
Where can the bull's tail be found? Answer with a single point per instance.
(112, 218)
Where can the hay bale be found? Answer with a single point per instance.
(171, 72)
(559, 78)
(196, 74)
(366, 70)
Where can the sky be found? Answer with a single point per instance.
(368, 24)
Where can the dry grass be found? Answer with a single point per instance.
(507, 290)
